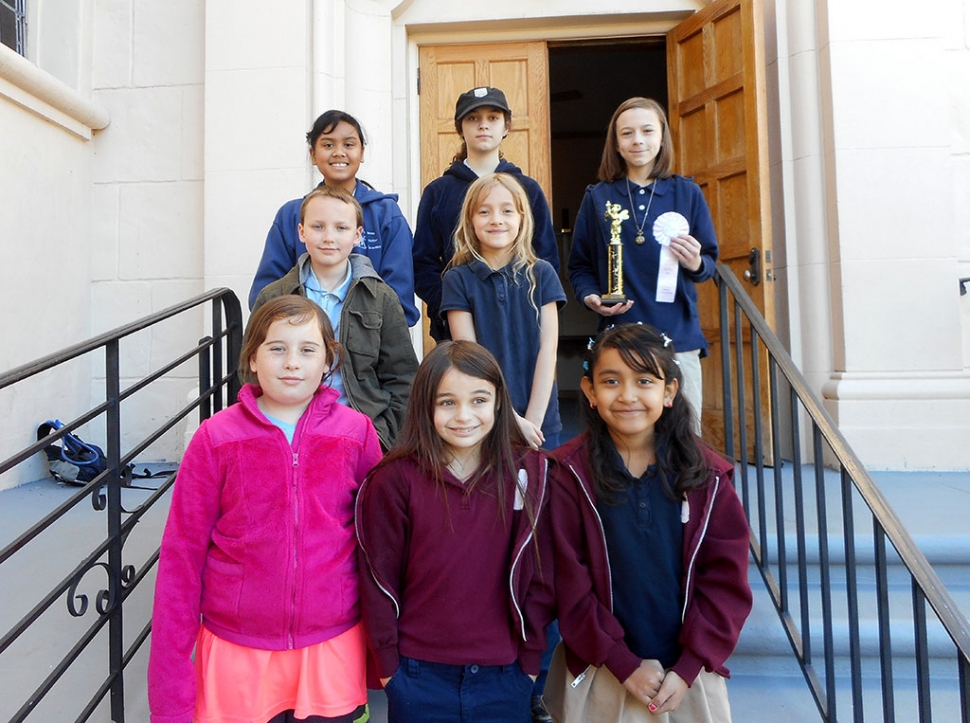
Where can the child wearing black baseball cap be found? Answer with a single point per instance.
(482, 118)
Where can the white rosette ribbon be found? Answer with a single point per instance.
(669, 225)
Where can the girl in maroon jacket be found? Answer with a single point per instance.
(453, 538)
(651, 548)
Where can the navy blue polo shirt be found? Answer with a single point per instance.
(506, 323)
(644, 542)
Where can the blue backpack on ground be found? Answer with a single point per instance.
(73, 461)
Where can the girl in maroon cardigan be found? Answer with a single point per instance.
(452, 538)
(651, 547)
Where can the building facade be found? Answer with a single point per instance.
(144, 148)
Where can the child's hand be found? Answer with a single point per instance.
(384, 681)
(670, 695)
(594, 302)
(687, 250)
(533, 434)
(645, 682)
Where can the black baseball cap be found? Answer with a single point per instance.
(477, 97)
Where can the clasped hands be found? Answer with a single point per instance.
(661, 691)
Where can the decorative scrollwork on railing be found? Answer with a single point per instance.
(99, 498)
(77, 603)
(127, 576)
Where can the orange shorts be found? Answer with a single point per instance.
(237, 684)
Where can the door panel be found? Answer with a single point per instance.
(718, 119)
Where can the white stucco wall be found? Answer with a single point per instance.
(147, 194)
(100, 227)
(47, 120)
(899, 390)
(46, 270)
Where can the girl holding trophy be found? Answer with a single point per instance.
(666, 242)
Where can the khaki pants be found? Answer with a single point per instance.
(601, 698)
(693, 384)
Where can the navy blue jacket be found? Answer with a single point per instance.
(386, 242)
(641, 262)
(438, 214)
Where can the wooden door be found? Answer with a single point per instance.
(718, 119)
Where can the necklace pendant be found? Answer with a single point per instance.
(639, 239)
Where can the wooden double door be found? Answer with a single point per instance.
(718, 117)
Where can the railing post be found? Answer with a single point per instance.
(825, 574)
(742, 407)
(115, 562)
(217, 355)
(852, 596)
(205, 379)
(722, 295)
(234, 338)
(882, 612)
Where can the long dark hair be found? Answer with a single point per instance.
(419, 441)
(680, 460)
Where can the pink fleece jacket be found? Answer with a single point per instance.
(259, 544)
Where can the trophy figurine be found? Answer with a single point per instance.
(614, 293)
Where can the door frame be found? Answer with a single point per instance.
(407, 39)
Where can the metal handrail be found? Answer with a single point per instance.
(827, 442)
(217, 352)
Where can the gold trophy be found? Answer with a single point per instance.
(614, 294)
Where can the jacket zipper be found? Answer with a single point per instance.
(599, 520)
(296, 530)
(697, 548)
(518, 554)
(360, 541)
(609, 570)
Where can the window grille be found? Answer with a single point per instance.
(13, 24)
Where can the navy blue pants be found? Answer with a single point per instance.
(422, 692)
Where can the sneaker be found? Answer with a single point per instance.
(539, 713)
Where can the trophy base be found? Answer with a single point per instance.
(612, 299)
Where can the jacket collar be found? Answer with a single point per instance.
(323, 399)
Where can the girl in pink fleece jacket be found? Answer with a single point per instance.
(258, 565)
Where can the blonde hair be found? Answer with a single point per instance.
(467, 244)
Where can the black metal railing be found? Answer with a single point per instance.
(102, 658)
(902, 651)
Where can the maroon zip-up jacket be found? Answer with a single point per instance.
(399, 509)
(716, 594)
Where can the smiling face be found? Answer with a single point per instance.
(289, 364)
(337, 154)
(496, 222)
(628, 400)
(464, 412)
(483, 129)
(330, 232)
(639, 134)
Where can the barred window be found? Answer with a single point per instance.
(13, 24)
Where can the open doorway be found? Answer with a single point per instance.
(587, 81)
